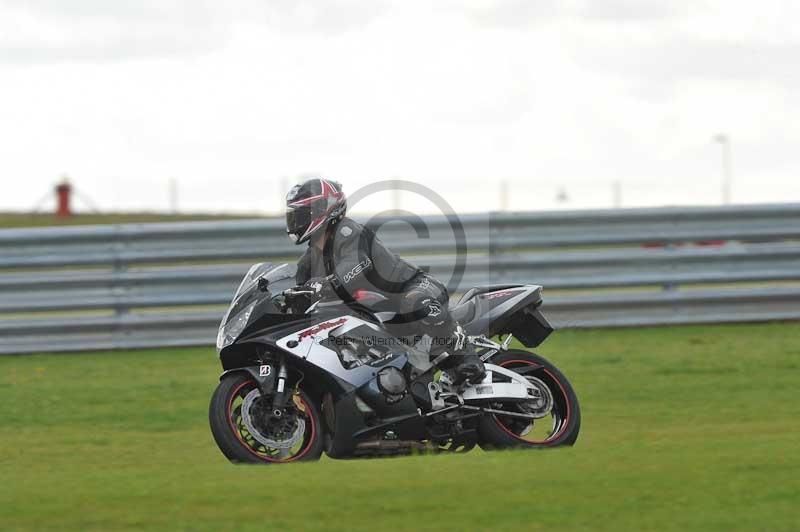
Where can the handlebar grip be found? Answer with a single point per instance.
(293, 292)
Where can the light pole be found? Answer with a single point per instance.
(173, 195)
(727, 178)
(504, 195)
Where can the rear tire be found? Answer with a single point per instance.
(497, 432)
(238, 444)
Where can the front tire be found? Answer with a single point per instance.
(237, 404)
(562, 425)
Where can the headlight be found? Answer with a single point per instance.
(231, 328)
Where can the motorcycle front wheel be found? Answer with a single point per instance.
(559, 427)
(247, 430)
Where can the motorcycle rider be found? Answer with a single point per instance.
(346, 258)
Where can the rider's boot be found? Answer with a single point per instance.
(469, 368)
(462, 363)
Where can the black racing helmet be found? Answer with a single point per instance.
(312, 206)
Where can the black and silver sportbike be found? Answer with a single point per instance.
(302, 377)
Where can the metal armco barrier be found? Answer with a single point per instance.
(167, 284)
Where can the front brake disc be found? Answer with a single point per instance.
(287, 443)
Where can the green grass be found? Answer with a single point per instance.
(12, 219)
(692, 428)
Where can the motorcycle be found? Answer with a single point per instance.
(303, 376)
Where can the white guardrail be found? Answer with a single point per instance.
(167, 284)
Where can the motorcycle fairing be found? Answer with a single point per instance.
(311, 344)
(347, 426)
(344, 416)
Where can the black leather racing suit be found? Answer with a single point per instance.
(355, 259)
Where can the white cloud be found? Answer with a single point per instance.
(95, 30)
(230, 101)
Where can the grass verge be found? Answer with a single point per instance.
(686, 428)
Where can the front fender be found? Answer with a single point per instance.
(264, 375)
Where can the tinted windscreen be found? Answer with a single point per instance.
(278, 276)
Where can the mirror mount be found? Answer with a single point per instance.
(263, 284)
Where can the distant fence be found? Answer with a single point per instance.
(166, 284)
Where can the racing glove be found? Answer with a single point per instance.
(322, 287)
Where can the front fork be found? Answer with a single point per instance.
(281, 396)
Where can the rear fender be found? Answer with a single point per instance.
(528, 325)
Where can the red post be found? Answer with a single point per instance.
(63, 196)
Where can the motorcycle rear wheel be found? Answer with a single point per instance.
(239, 445)
(560, 427)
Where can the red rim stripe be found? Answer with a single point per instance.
(250, 449)
(566, 399)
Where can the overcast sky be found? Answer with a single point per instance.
(234, 99)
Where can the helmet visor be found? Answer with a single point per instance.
(298, 219)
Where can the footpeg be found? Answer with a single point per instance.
(435, 391)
